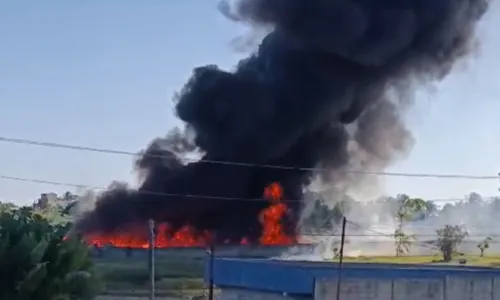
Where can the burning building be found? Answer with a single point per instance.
(325, 92)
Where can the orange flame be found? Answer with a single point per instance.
(272, 234)
(138, 238)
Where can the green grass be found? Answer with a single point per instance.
(472, 260)
(133, 274)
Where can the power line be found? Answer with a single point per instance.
(128, 153)
(90, 187)
(425, 245)
(375, 233)
(389, 236)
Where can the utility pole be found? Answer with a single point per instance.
(152, 239)
(341, 256)
(211, 253)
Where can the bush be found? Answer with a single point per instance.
(449, 238)
(37, 262)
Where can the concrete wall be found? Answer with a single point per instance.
(448, 288)
(242, 294)
(298, 278)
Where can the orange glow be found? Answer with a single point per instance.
(137, 237)
(273, 232)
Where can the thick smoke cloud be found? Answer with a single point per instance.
(324, 65)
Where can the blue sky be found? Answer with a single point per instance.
(100, 74)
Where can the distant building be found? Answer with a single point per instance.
(46, 200)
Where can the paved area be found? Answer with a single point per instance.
(134, 298)
(144, 296)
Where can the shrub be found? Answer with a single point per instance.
(37, 262)
(449, 238)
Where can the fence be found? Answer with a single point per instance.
(152, 272)
(187, 266)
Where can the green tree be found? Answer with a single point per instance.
(320, 216)
(408, 208)
(38, 262)
(484, 244)
(54, 214)
(7, 207)
(69, 196)
(431, 208)
(449, 238)
(341, 208)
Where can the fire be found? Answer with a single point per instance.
(272, 234)
(164, 238)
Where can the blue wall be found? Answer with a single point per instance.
(299, 277)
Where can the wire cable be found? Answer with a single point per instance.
(89, 187)
(419, 243)
(311, 234)
(241, 164)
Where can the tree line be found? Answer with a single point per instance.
(448, 220)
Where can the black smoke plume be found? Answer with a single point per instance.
(324, 64)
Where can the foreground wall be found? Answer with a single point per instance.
(449, 288)
(242, 294)
(255, 279)
(300, 278)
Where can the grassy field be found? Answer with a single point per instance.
(174, 277)
(472, 260)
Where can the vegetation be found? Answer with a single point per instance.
(172, 273)
(449, 238)
(472, 260)
(37, 262)
(484, 244)
(67, 267)
(407, 210)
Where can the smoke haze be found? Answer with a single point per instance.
(324, 65)
(371, 228)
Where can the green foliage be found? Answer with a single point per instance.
(484, 244)
(324, 217)
(402, 242)
(7, 207)
(37, 262)
(407, 210)
(409, 207)
(449, 238)
(54, 215)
